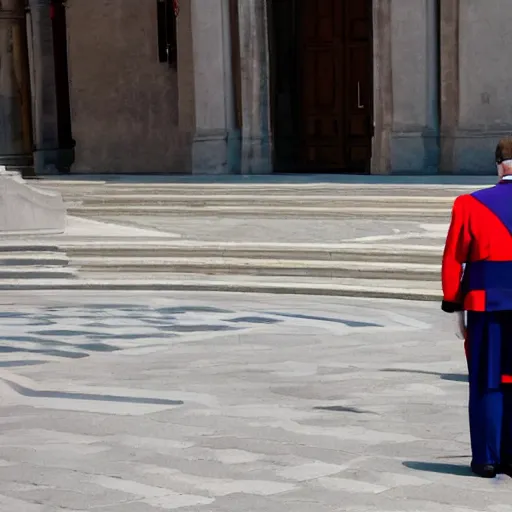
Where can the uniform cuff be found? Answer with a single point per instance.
(450, 307)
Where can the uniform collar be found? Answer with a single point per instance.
(506, 179)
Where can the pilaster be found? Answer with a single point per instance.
(15, 109)
(449, 63)
(479, 114)
(414, 139)
(383, 87)
(255, 87)
(46, 139)
(213, 142)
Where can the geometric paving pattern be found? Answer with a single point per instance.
(71, 332)
(219, 403)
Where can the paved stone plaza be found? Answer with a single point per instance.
(287, 230)
(227, 403)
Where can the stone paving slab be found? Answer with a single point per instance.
(143, 402)
(78, 227)
(281, 230)
(240, 230)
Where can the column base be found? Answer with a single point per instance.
(473, 152)
(209, 153)
(256, 156)
(216, 152)
(414, 153)
(48, 162)
(23, 164)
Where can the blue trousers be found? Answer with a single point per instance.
(489, 355)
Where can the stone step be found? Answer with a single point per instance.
(262, 267)
(245, 185)
(14, 245)
(407, 290)
(28, 273)
(237, 199)
(256, 194)
(33, 259)
(109, 194)
(420, 254)
(296, 202)
(355, 212)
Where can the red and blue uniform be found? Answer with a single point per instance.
(477, 278)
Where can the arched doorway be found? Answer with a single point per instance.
(322, 85)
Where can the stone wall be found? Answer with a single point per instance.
(445, 115)
(124, 102)
(484, 84)
(131, 113)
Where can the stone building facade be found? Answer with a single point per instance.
(261, 86)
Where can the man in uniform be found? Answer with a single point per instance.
(477, 278)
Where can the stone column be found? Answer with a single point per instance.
(255, 87)
(15, 110)
(449, 40)
(212, 146)
(414, 68)
(383, 87)
(46, 138)
(432, 129)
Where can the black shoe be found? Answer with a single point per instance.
(485, 470)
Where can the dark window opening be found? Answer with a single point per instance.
(167, 33)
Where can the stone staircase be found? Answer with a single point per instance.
(348, 269)
(31, 262)
(301, 260)
(332, 200)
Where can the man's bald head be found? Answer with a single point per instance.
(504, 157)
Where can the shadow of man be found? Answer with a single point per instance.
(439, 467)
(453, 377)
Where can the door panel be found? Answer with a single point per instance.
(322, 78)
(359, 73)
(335, 75)
(360, 108)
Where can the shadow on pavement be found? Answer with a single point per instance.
(14, 364)
(341, 408)
(454, 377)
(439, 467)
(454, 457)
(31, 393)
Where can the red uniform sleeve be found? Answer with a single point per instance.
(456, 253)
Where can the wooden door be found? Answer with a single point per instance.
(335, 62)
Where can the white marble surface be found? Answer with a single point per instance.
(145, 402)
(28, 209)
